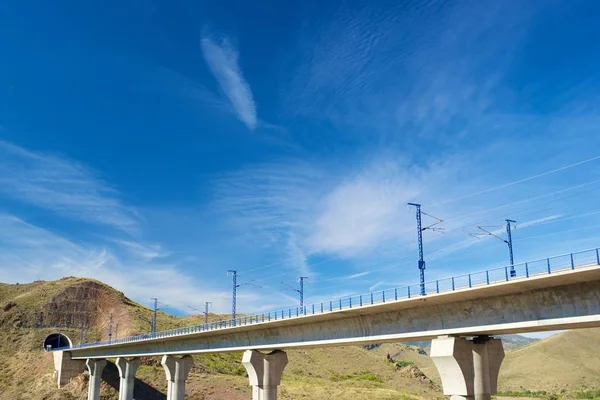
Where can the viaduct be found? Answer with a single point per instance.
(461, 315)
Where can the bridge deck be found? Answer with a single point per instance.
(395, 320)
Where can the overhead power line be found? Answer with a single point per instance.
(514, 212)
(561, 232)
(110, 327)
(312, 251)
(528, 199)
(437, 251)
(300, 291)
(205, 312)
(155, 309)
(516, 182)
(434, 254)
(315, 250)
(234, 276)
(525, 200)
(568, 217)
(508, 241)
(420, 231)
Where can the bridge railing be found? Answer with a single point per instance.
(503, 274)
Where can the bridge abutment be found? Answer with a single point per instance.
(264, 371)
(127, 370)
(177, 371)
(468, 368)
(66, 368)
(95, 368)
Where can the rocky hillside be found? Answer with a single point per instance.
(564, 365)
(29, 312)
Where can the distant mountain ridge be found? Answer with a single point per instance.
(510, 342)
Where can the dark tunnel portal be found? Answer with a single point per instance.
(56, 340)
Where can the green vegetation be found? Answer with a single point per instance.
(27, 373)
(588, 394)
(402, 364)
(560, 367)
(541, 394)
(222, 363)
(357, 376)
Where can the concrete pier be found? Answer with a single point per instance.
(127, 370)
(95, 367)
(264, 371)
(177, 371)
(468, 368)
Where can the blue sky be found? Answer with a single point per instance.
(156, 145)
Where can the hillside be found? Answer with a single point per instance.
(510, 342)
(28, 312)
(568, 361)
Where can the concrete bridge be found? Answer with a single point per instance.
(460, 314)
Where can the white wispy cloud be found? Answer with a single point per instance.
(365, 209)
(222, 60)
(298, 258)
(29, 252)
(143, 251)
(358, 275)
(172, 83)
(263, 202)
(380, 68)
(326, 209)
(62, 186)
(357, 214)
(539, 221)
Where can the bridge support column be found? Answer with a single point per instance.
(177, 370)
(468, 368)
(127, 370)
(264, 371)
(95, 367)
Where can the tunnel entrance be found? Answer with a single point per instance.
(56, 340)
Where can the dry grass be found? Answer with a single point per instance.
(561, 364)
(26, 372)
(566, 362)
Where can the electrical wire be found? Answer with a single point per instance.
(452, 218)
(439, 251)
(525, 200)
(315, 250)
(561, 232)
(515, 182)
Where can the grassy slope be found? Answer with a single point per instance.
(569, 361)
(566, 364)
(26, 372)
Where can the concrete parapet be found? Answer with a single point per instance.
(177, 371)
(468, 368)
(264, 372)
(127, 370)
(95, 367)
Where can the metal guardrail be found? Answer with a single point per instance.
(503, 274)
